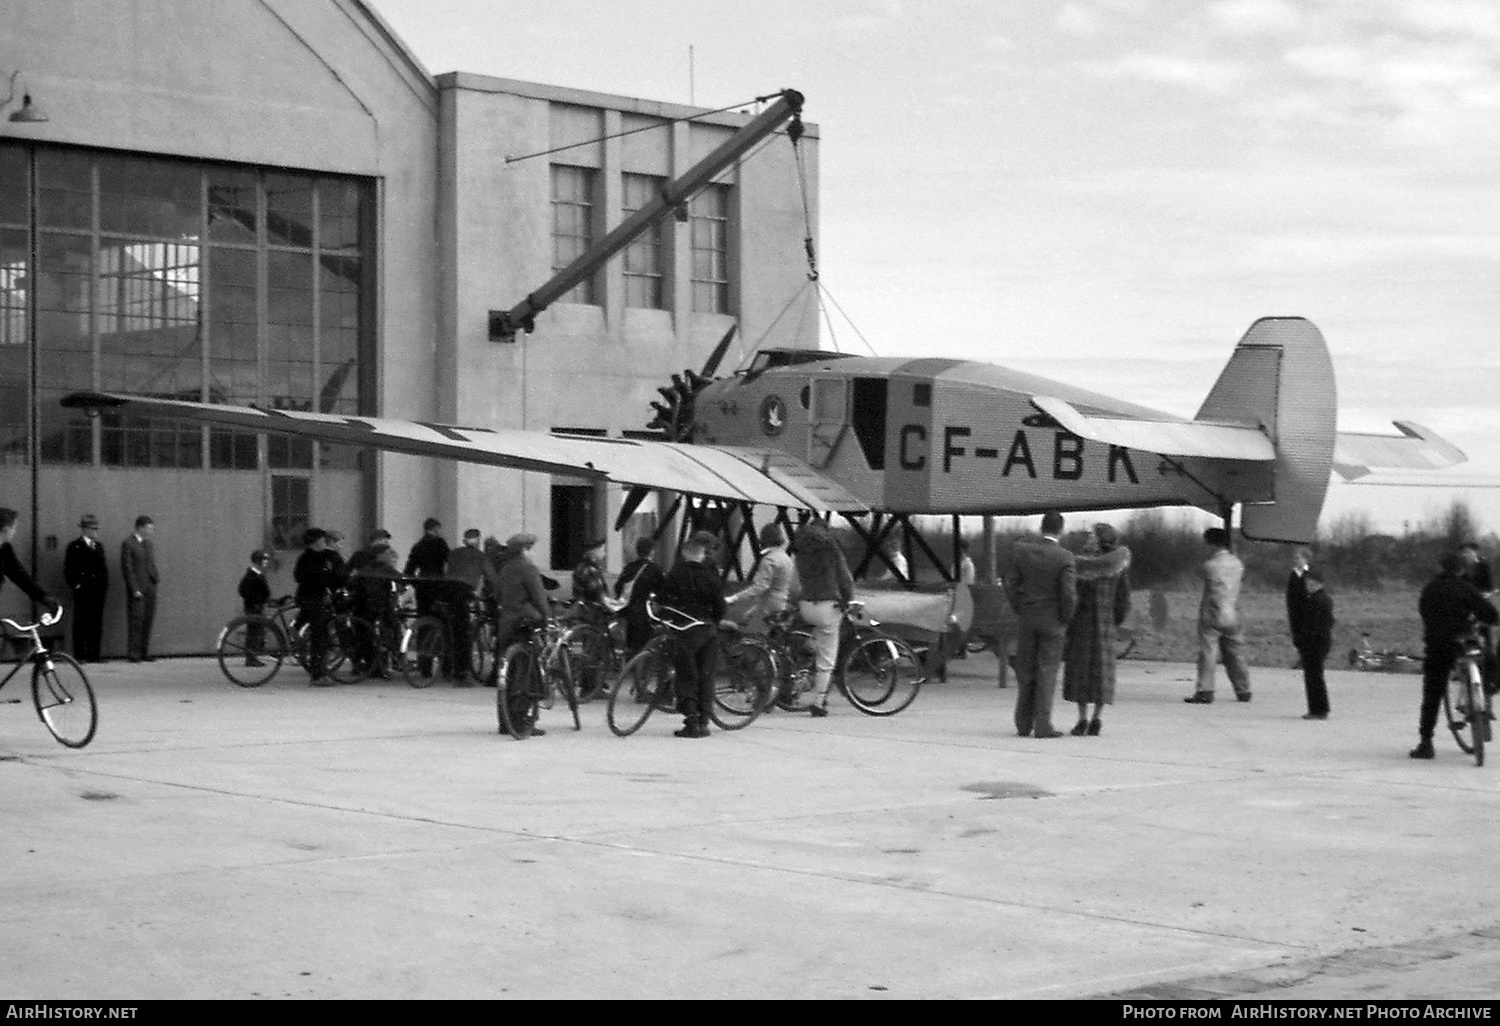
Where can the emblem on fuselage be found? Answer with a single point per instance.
(772, 415)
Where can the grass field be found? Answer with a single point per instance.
(1388, 616)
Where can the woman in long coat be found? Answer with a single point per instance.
(1089, 653)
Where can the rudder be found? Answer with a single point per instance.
(1281, 376)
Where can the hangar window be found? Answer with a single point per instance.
(573, 223)
(184, 280)
(645, 257)
(709, 212)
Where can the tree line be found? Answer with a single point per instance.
(1167, 548)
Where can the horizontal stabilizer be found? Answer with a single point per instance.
(1164, 437)
(761, 477)
(1355, 456)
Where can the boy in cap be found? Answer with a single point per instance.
(255, 592)
(1314, 639)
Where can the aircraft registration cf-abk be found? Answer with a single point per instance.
(831, 433)
(894, 438)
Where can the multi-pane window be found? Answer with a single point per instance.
(291, 510)
(710, 230)
(180, 280)
(572, 223)
(15, 285)
(645, 257)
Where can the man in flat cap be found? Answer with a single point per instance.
(519, 590)
(86, 569)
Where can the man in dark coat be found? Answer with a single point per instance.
(316, 579)
(642, 576)
(695, 589)
(1450, 607)
(10, 566)
(1043, 591)
(86, 569)
(1314, 637)
(428, 558)
(1296, 594)
(138, 571)
(521, 595)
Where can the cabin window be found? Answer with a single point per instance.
(869, 419)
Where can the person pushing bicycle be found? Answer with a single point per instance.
(10, 566)
(694, 588)
(1450, 606)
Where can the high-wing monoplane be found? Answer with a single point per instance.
(894, 438)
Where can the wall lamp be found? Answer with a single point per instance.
(28, 113)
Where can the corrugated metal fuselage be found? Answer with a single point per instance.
(947, 436)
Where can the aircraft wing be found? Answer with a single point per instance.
(1355, 456)
(736, 473)
(1166, 437)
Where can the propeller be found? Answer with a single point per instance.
(673, 415)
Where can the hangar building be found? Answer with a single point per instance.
(275, 202)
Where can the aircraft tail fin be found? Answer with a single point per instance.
(1281, 377)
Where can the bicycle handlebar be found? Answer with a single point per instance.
(47, 620)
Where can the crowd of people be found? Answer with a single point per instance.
(86, 573)
(1069, 606)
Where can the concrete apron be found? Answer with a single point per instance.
(374, 841)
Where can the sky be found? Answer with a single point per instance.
(1108, 192)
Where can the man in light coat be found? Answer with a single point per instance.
(1219, 630)
(1043, 591)
(772, 586)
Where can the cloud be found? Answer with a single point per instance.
(872, 15)
(1079, 20)
(1210, 74)
(1255, 17)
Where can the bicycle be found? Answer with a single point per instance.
(1467, 702)
(743, 683)
(880, 675)
(597, 646)
(534, 666)
(59, 688)
(252, 647)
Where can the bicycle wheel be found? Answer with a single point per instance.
(593, 658)
(481, 649)
(881, 676)
(63, 699)
(744, 680)
(638, 691)
(795, 670)
(250, 650)
(561, 676)
(425, 651)
(357, 644)
(1456, 707)
(1479, 723)
(516, 697)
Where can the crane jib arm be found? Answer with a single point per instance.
(504, 324)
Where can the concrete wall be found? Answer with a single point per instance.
(320, 86)
(588, 366)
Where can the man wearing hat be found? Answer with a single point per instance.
(86, 570)
(519, 590)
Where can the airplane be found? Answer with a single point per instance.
(830, 433)
(891, 438)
